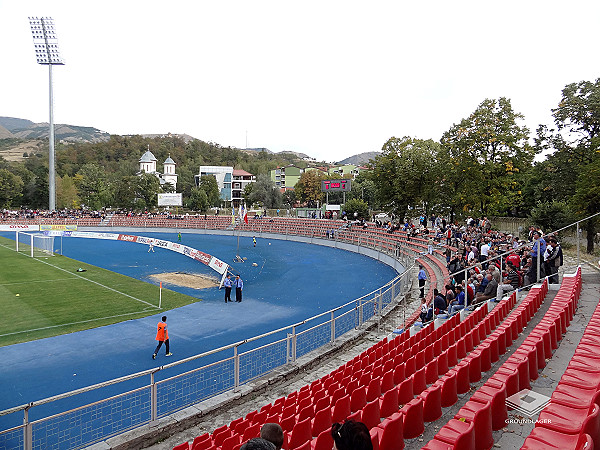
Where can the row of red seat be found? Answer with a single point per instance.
(572, 418)
(486, 410)
(375, 380)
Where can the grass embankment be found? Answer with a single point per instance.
(43, 297)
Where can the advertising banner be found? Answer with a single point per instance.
(18, 227)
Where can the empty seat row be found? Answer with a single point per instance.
(572, 417)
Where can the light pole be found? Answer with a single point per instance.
(46, 53)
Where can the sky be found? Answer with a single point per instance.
(329, 79)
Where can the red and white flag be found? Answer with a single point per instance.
(244, 215)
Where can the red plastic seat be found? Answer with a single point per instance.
(572, 420)
(184, 446)
(337, 394)
(481, 415)
(321, 422)
(575, 397)
(452, 359)
(431, 371)
(324, 441)
(201, 442)
(371, 415)
(231, 442)
(220, 435)
(307, 412)
(374, 389)
(390, 433)
(448, 394)
(301, 433)
(387, 381)
(475, 367)
(461, 435)
(358, 399)
(252, 431)
(405, 391)
(543, 439)
(341, 409)
(399, 374)
(413, 418)
(495, 393)
(432, 403)
(509, 376)
(419, 384)
(388, 404)
(462, 377)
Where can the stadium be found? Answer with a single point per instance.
(518, 372)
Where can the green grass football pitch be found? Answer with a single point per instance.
(43, 297)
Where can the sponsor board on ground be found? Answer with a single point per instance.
(58, 227)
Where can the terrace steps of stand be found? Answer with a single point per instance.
(415, 443)
(479, 314)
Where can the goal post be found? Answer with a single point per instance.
(34, 244)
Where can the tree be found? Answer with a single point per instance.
(146, 193)
(125, 192)
(364, 188)
(356, 206)
(308, 188)
(11, 189)
(265, 193)
(404, 174)
(576, 145)
(198, 200)
(66, 193)
(209, 185)
(289, 198)
(93, 189)
(482, 155)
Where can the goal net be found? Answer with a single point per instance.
(34, 244)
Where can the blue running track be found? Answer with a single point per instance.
(290, 282)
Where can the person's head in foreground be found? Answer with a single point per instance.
(351, 435)
(273, 433)
(258, 444)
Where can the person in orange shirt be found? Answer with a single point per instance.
(162, 335)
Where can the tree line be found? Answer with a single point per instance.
(485, 164)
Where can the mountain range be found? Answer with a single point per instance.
(23, 129)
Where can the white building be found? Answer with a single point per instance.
(148, 165)
(231, 182)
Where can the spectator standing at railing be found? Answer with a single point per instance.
(539, 247)
(554, 259)
(422, 277)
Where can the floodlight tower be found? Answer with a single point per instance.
(46, 53)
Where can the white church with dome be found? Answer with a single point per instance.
(148, 165)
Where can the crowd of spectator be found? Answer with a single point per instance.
(487, 264)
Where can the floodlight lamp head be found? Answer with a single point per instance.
(45, 41)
